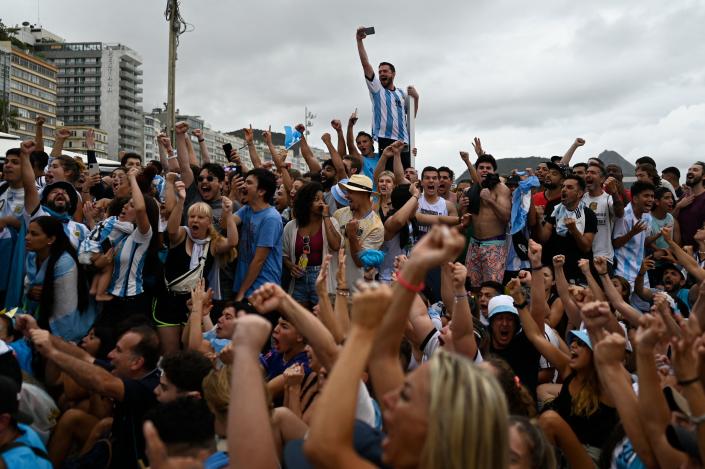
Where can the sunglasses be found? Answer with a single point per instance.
(206, 178)
(307, 245)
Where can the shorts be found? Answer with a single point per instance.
(486, 260)
(171, 310)
(304, 290)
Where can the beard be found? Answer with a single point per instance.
(550, 185)
(694, 182)
(58, 209)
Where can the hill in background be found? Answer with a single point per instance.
(506, 165)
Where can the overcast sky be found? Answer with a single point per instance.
(526, 77)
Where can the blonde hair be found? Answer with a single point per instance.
(387, 173)
(216, 391)
(587, 401)
(467, 417)
(205, 210)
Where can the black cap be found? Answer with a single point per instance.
(561, 168)
(70, 190)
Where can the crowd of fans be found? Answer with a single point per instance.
(363, 314)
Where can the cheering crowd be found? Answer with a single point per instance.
(365, 313)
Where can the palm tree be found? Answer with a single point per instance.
(8, 116)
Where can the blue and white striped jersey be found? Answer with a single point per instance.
(388, 111)
(130, 255)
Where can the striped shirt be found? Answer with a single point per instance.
(130, 255)
(629, 257)
(388, 111)
(75, 231)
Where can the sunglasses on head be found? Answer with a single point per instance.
(206, 178)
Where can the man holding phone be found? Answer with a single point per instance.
(389, 113)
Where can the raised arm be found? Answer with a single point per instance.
(335, 156)
(203, 148)
(382, 163)
(338, 127)
(402, 216)
(644, 293)
(166, 154)
(609, 356)
(440, 245)
(325, 308)
(500, 201)
(173, 226)
(191, 152)
(60, 137)
(279, 159)
(687, 261)
(313, 165)
(90, 376)
(461, 325)
(232, 237)
(182, 153)
(571, 307)
(535, 331)
(539, 303)
(352, 148)
(31, 195)
(271, 297)
(250, 140)
(597, 292)
(630, 313)
(39, 132)
(330, 439)
(138, 202)
(579, 142)
(655, 415)
(366, 66)
(250, 437)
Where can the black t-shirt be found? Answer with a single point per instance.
(523, 357)
(567, 246)
(128, 417)
(593, 430)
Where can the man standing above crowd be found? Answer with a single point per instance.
(389, 113)
(690, 210)
(603, 198)
(445, 181)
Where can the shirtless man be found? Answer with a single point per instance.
(490, 206)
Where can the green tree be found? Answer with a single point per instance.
(8, 116)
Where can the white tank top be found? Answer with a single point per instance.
(438, 208)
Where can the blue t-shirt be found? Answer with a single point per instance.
(261, 229)
(23, 456)
(217, 460)
(274, 364)
(369, 163)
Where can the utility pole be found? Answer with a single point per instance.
(172, 15)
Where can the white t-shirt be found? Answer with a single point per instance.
(439, 207)
(603, 206)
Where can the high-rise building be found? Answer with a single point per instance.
(28, 84)
(77, 141)
(99, 85)
(152, 127)
(214, 139)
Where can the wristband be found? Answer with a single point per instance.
(459, 298)
(171, 157)
(521, 305)
(342, 292)
(407, 286)
(697, 420)
(201, 140)
(534, 269)
(687, 382)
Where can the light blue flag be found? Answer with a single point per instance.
(292, 137)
